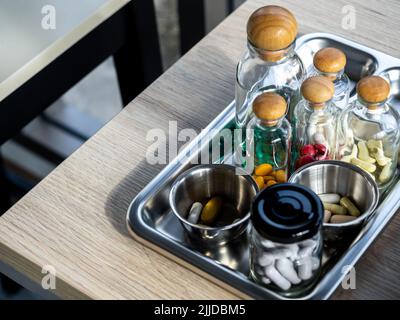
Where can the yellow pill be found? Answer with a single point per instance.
(271, 183)
(211, 210)
(280, 176)
(268, 178)
(260, 181)
(263, 169)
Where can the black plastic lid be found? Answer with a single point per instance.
(287, 213)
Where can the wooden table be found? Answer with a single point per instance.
(74, 219)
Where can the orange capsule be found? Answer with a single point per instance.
(280, 176)
(263, 169)
(271, 183)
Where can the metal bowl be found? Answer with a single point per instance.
(346, 179)
(206, 181)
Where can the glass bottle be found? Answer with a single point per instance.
(270, 140)
(331, 62)
(270, 60)
(370, 129)
(315, 122)
(285, 238)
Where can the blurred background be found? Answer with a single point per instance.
(62, 126)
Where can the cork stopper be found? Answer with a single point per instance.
(330, 60)
(317, 90)
(272, 28)
(373, 90)
(269, 107)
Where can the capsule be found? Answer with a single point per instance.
(194, 213)
(335, 208)
(342, 219)
(330, 197)
(350, 206)
(211, 210)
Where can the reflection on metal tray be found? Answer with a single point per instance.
(151, 221)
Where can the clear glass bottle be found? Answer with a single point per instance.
(270, 61)
(285, 238)
(370, 129)
(315, 122)
(331, 62)
(270, 139)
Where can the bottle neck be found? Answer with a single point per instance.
(317, 106)
(271, 125)
(374, 108)
(333, 76)
(276, 56)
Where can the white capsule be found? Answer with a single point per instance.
(305, 268)
(308, 243)
(315, 263)
(327, 216)
(265, 280)
(267, 244)
(306, 251)
(259, 270)
(294, 250)
(195, 212)
(286, 269)
(266, 259)
(330, 197)
(277, 278)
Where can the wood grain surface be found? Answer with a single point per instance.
(74, 220)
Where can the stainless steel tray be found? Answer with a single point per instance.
(151, 221)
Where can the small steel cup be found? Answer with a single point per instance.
(346, 179)
(206, 181)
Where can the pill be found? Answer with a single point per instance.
(277, 278)
(260, 181)
(263, 169)
(259, 270)
(270, 183)
(327, 215)
(267, 244)
(280, 176)
(335, 208)
(266, 260)
(363, 153)
(268, 178)
(330, 197)
(211, 210)
(350, 206)
(305, 268)
(265, 280)
(342, 219)
(315, 263)
(286, 269)
(306, 252)
(294, 250)
(308, 243)
(364, 165)
(386, 172)
(194, 213)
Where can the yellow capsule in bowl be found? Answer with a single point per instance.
(211, 210)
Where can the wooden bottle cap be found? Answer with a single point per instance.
(373, 89)
(330, 60)
(317, 90)
(269, 107)
(272, 28)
